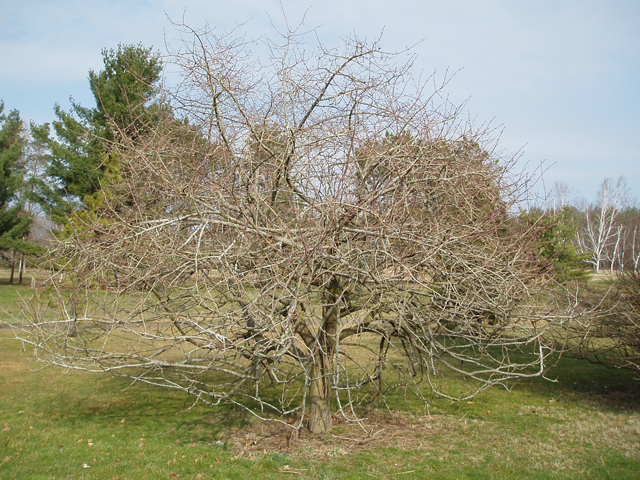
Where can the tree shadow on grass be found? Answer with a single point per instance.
(108, 402)
(5, 278)
(593, 383)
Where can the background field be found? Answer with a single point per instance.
(58, 424)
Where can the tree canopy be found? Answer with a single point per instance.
(314, 232)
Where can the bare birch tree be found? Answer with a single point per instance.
(559, 197)
(314, 231)
(633, 248)
(600, 233)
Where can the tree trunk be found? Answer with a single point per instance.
(21, 268)
(321, 369)
(13, 267)
(320, 396)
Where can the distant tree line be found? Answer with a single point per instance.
(602, 236)
(604, 233)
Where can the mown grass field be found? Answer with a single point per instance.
(11, 296)
(57, 424)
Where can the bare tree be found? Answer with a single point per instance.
(633, 248)
(313, 232)
(610, 334)
(559, 197)
(600, 233)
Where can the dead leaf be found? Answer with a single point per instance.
(6, 427)
(84, 465)
(121, 421)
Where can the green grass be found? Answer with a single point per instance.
(11, 297)
(56, 424)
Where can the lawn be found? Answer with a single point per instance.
(11, 296)
(57, 424)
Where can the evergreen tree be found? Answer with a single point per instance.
(557, 242)
(79, 155)
(14, 223)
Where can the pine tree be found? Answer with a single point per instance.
(557, 242)
(14, 223)
(79, 155)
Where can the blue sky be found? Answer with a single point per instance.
(561, 79)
